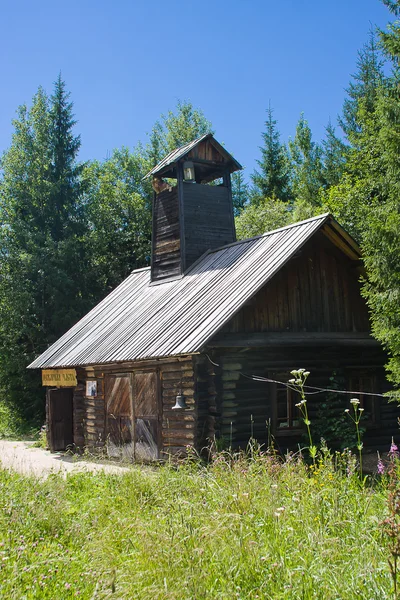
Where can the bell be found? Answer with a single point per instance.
(180, 403)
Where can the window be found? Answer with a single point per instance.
(286, 415)
(360, 381)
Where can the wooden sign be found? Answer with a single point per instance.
(59, 377)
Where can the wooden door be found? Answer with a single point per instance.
(60, 418)
(119, 426)
(147, 415)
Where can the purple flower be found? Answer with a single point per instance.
(394, 451)
(380, 467)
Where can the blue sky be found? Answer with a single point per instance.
(126, 62)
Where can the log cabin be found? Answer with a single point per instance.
(192, 348)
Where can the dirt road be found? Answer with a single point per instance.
(28, 460)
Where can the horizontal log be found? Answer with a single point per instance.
(229, 385)
(177, 434)
(293, 338)
(173, 426)
(230, 375)
(184, 375)
(231, 366)
(186, 385)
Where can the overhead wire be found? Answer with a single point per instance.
(316, 390)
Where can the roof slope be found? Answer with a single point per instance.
(138, 320)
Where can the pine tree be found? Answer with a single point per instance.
(273, 178)
(306, 157)
(334, 155)
(365, 84)
(45, 274)
(240, 192)
(381, 239)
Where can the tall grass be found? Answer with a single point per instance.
(243, 527)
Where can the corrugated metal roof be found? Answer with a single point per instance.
(138, 320)
(175, 155)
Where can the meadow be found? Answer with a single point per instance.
(248, 526)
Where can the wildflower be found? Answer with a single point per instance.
(354, 401)
(394, 451)
(346, 410)
(380, 467)
(67, 586)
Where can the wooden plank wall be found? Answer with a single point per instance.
(316, 291)
(206, 151)
(208, 219)
(178, 428)
(166, 259)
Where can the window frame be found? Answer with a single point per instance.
(356, 381)
(294, 422)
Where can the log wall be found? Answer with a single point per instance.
(245, 408)
(177, 428)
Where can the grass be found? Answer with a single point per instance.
(244, 528)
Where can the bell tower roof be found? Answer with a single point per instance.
(208, 154)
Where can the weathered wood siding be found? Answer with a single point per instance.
(208, 219)
(316, 291)
(79, 416)
(206, 151)
(166, 259)
(240, 407)
(178, 429)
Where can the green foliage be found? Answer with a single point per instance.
(364, 87)
(306, 157)
(45, 283)
(119, 210)
(240, 192)
(273, 178)
(256, 219)
(240, 527)
(331, 423)
(334, 153)
(176, 129)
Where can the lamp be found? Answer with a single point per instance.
(188, 171)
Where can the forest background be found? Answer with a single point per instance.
(71, 231)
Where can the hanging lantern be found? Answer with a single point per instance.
(188, 171)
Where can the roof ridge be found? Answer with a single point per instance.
(267, 233)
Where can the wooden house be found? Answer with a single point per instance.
(177, 355)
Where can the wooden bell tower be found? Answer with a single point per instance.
(194, 213)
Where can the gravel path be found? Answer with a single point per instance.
(28, 460)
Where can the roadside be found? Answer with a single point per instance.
(26, 459)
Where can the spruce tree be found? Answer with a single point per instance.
(381, 239)
(306, 156)
(334, 155)
(45, 277)
(272, 180)
(364, 86)
(240, 192)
